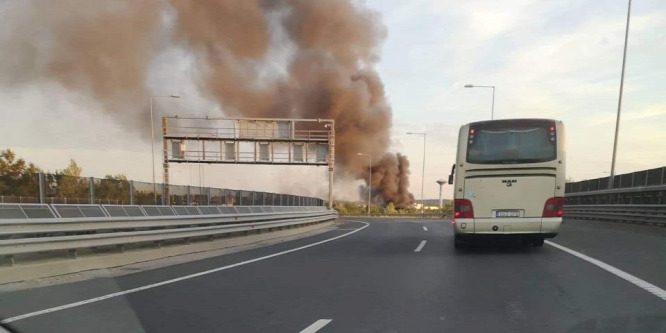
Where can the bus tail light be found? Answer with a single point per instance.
(462, 208)
(553, 207)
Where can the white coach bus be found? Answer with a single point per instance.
(509, 180)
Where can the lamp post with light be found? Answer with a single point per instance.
(492, 110)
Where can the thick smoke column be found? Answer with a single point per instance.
(100, 48)
(279, 58)
(390, 178)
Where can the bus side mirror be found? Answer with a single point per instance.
(453, 171)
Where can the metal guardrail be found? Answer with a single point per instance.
(50, 227)
(35, 211)
(619, 191)
(21, 235)
(414, 216)
(641, 214)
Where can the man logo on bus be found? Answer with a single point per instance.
(509, 182)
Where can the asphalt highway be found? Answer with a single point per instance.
(378, 275)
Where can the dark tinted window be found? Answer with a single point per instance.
(505, 142)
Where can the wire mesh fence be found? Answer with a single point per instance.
(63, 189)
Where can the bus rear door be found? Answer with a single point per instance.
(508, 204)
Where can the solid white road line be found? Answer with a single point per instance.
(425, 228)
(182, 278)
(317, 325)
(420, 247)
(649, 287)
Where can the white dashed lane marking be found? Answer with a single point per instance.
(316, 326)
(420, 247)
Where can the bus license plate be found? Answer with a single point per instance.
(507, 213)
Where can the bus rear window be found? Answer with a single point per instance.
(506, 142)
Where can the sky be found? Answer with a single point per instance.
(550, 59)
(547, 59)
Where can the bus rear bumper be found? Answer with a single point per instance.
(503, 237)
(544, 227)
(551, 225)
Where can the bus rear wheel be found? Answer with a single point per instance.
(538, 242)
(458, 243)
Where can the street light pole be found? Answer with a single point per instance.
(369, 179)
(492, 109)
(423, 171)
(619, 103)
(152, 141)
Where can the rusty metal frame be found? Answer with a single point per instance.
(237, 135)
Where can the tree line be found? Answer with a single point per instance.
(355, 209)
(21, 179)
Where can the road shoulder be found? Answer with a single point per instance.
(50, 273)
